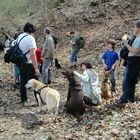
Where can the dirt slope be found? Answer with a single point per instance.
(96, 20)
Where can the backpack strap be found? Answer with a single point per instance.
(20, 41)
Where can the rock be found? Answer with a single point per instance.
(133, 135)
(29, 120)
(94, 3)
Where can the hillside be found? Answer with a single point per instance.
(97, 21)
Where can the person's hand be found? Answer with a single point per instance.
(74, 72)
(113, 67)
(37, 72)
(105, 67)
(125, 40)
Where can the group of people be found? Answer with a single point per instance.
(111, 59)
(41, 59)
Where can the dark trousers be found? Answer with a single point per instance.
(26, 73)
(129, 82)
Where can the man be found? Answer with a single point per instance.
(48, 56)
(29, 71)
(110, 60)
(133, 67)
(75, 49)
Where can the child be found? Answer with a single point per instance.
(110, 60)
(89, 83)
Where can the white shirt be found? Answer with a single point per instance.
(89, 83)
(136, 44)
(26, 44)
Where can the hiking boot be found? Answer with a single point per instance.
(120, 104)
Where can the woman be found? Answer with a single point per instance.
(89, 83)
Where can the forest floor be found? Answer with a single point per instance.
(97, 22)
(104, 122)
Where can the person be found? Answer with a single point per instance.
(132, 68)
(110, 60)
(15, 67)
(16, 76)
(75, 49)
(48, 56)
(39, 59)
(29, 71)
(89, 84)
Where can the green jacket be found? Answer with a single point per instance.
(75, 46)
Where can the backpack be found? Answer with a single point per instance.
(15, 55)
(80, 42)
(124, 51)
(56, 40)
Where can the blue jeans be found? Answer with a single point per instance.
(129, 83)
(46, 74)
(73, 57)
(16, 72)
(113, 81)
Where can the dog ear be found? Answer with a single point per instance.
(34, 85)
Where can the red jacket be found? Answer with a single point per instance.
(38, 55)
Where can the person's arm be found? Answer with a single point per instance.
(135, 50)
(34, 59)
(47, 50)
(103, 60)
(83, 78)
(115, 64)
(44, 51)
(132, 50)
(73, 41)
(105, 66)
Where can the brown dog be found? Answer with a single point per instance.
(75, 104)
(105, 88)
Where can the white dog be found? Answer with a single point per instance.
(49, 96)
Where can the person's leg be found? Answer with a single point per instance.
(113, 82)
(49, 76)
(18, 75)
(31, 75)
(45, 71)
(131, 96)
(129, 83)
(133, 83)
(72, 57)
(23, 81)
(75, 58)
(125, 87)
(40, 68)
